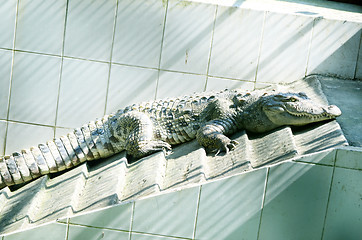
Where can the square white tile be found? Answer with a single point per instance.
(7, 16)
(34, 89)
(118, 217)
(52, 231)
(284, 48)
(334, 48)
(23, 136)
(349, 158)
(171, 214)
(172, 84)
(187, 40)
(129, 85)
(80, 232)
(139, 32)
(236, 43)
(5, 75)
(40, 26)
(296, 201)
(344, 213)
(230, 208)
(214, 83)
(82, 96)
(2, 137)
(89, 30)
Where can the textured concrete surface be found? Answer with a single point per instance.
(347, 95)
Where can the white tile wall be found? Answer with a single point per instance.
(284, 49)
(139, 32)
(89, 30)
(173, 84)
(188, 31)
(214, 83)
(2, 137)
(34, 89)
(295, 202)
(236, 42)
(7, 18)
(343, 219)
(118, 217)
(81, 232)
(83, 91)
(40, 26)
(21, 136)
(334, 48)
(170, 214)
(5, 75)
(231, 208)
(128, 85)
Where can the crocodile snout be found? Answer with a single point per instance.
(332, 110)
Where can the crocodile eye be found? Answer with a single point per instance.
(293, 99)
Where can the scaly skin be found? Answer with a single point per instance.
(142, 129)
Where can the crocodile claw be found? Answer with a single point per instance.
(226, 147)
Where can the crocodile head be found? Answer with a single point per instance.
(296, 109)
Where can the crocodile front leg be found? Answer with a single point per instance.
(136, 131)
(212, 136)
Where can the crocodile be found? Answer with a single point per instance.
(148, 127)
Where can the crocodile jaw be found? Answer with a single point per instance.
(300, 114)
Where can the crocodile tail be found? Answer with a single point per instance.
(90, 142)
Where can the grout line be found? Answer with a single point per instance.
(11, 75)
(310, 46)
(161, 49)
(67, 230)
(35, 124)
(132, 217)
(95, 227)
(358, 53)
(6, 49)
(161, 235)
(61, 67)
(111, 56)
(197, 212)
(259, 50)
(263, 201)
(313, 163)
(329, 194)
(211, 44)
